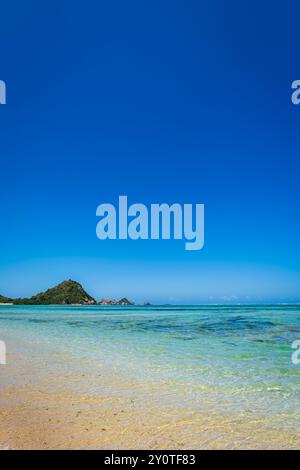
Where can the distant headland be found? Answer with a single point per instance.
(66, 293)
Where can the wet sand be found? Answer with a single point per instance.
(41, 408)
(59, 392)
(39, 420)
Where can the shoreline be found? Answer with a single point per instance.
(55, 395)
(42, 420)
(149, 306)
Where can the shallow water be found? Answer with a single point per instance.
(229, 359)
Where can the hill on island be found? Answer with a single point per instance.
(65, 293)
(5, 300)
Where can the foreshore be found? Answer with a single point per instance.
(59, 391)
(44, 413)
(32, 418)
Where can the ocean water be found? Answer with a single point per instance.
(235, 360)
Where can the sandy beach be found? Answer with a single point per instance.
(33, 417)
(51, 400)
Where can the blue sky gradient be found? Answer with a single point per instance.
(163, 101)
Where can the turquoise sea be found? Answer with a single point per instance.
(235, 360)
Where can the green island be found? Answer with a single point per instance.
(66, 293)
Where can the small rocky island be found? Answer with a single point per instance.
(66, 293)
(123, 301)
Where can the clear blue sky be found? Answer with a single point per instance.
(167, 101)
